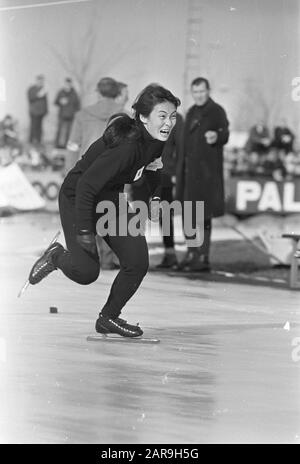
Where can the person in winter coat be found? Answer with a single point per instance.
(38, 108)
(68, 103)
(200, 169)
(127, 150)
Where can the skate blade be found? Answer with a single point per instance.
(54, 238)
(25, 286)
(118, 338)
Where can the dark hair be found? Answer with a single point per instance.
(120, 127)
(108, 87)
(201, 80)
(151, 96)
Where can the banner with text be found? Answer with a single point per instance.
(260, 195)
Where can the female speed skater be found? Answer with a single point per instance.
(127, 147)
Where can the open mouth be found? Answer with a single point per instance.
(164, 132)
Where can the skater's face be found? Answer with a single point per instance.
(161, 120)
(200, 94)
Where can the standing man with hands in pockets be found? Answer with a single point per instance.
(200, 169)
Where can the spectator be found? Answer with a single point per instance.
(38, 108)
(90, 122)
(200, 171)
(283, 137)
(68, 103)
(10, 146)
(89, 125)
(259, 139)
(8, 133)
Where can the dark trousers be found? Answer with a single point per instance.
(36, 129)
(63, 132)
(84, 268)
(168, 239)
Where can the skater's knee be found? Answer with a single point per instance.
(142, 267)
(87, 277)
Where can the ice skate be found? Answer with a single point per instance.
(44, 265)
(105, 325)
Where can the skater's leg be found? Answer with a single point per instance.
(75, 263)
(134, 261)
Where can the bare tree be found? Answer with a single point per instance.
(79, 58)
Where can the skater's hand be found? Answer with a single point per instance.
(154, 209)
(88, 242)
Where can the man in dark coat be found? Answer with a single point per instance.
(68, 103)
(38, 108)
(200, 170)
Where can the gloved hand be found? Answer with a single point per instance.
(154, 209)
(87, 241)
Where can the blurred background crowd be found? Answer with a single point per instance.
(69, 65)
(266, 151)
(36, 152)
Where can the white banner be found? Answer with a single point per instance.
(16, 191)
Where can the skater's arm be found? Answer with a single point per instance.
(153, 181)
(106, 168)
(152, 175)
